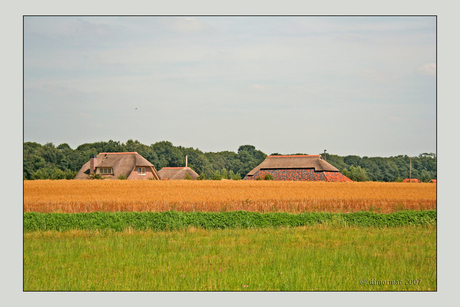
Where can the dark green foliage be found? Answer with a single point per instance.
(388, 169)
(96, 176)
(224, 173)
(171, 220)
(47, 161)
(232, 175)
(188, 177)
(122, 177)
(268, 177)
(356, 173)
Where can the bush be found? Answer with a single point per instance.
(216, 176)
(236, 176)
(201, 177)
(96, 176)
(70, 175)
(268, 177)
(57, 174)
(224, 174)
(41, 174)
(356, 173)
(187, 177)
(122, 177)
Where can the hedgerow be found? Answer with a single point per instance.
(171, 220)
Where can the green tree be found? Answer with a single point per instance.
(169, 155)
(356, 174)
(216, 175)
(224, 173)
(425, 176)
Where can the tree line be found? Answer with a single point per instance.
(62, 162)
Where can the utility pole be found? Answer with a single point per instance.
(325, 155)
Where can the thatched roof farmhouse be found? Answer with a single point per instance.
(110, 165)
(297, 168)
(176, 173)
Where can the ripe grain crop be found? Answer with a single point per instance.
(72, 196)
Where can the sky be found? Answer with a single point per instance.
(351, 85)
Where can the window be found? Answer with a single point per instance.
(141, 171)
(105, 170)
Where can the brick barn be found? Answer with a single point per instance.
(110, 165)
(176, 173)
(297, 168)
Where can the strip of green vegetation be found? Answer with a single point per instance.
(314, 258)
(171, 220)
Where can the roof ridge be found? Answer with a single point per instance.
(118, 153)
(175, 167)
(280, 156)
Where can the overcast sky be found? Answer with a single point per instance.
(351, 85)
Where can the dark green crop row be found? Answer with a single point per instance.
(171, 220)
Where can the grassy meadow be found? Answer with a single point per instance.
(229, 236)
(313, 258)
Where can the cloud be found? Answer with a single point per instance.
(427, 69)
(257, 87)
(85, 116)
(397, 118)
(185, 25)
(379, 76)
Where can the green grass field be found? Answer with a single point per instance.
(308, 258)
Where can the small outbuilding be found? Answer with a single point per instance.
(116, 165)
(177, 173)
(411, 180)
(297, 168)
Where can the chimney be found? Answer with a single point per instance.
(92, 164)
(186, 160)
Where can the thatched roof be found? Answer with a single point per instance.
(122, 163)
(176, 173)
(294, 162)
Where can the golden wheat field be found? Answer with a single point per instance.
(72, 196)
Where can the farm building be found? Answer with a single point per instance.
(297, 168)
(176, 173)
(111, 165)
(411, 180)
